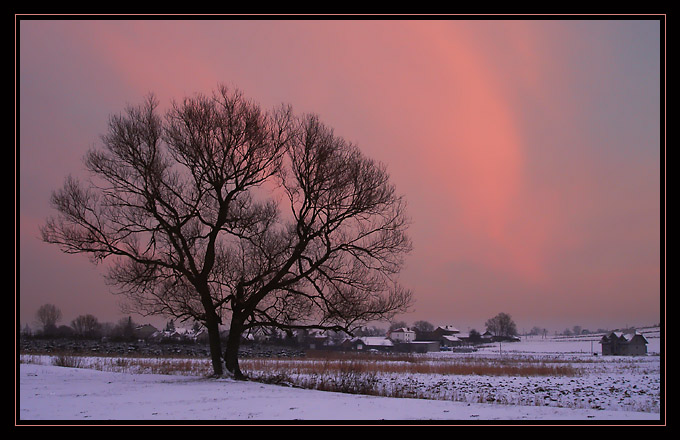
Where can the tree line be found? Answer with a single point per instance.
(85, 326)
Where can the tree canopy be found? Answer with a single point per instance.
(501, 325)
(221, 211)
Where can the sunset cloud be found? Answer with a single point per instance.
(528, 151)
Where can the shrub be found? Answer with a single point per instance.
(68, 361)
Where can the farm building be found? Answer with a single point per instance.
(619, 343)
(417, 347)
(446, 336)
(448, 330)
(450, 341)
(371, 343)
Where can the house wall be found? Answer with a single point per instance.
(402, 336)
(635, 349)
(417, 347)
(608, 349)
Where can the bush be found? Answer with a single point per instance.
(67, 361)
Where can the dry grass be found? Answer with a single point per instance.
(330, 363)
(406, 364)
(126, 364)
(365, 373)
(388, 375)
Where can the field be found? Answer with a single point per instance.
(541, 378)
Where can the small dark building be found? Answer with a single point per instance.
(417, 347)
(372, 343)
(145, 331)
(447, 330)
(618, 343)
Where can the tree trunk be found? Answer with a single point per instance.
(233, 343)
(215, 344)
(212, 324)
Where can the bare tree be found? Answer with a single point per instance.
(187, 208)
(48, 315)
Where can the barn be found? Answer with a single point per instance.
(619, 343)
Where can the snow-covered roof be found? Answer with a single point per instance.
(451, 338)
(628, 337)
(375, 340)
(450, 328)
(402, 330)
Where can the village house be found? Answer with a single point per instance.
(447, 336)
(402, 335)
(314, 339)
(179, 334)
(619, 343)
(145, 331)
(447, 330)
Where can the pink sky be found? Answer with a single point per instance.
(529, 151)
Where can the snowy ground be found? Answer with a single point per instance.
(627, 389)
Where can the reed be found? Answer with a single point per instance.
(409, 366)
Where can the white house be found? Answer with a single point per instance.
(402, 335)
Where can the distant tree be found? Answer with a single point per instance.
(86, 326)
(124, 329)
(538, 331)
(397, 324)
(170, 326)
(26, 332)
(577, 329)
(64, 331)
(501, 325)
(48, 315)
(370, 331)
(107, 329)
(423, 326)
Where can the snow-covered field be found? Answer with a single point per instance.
(605, 388)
